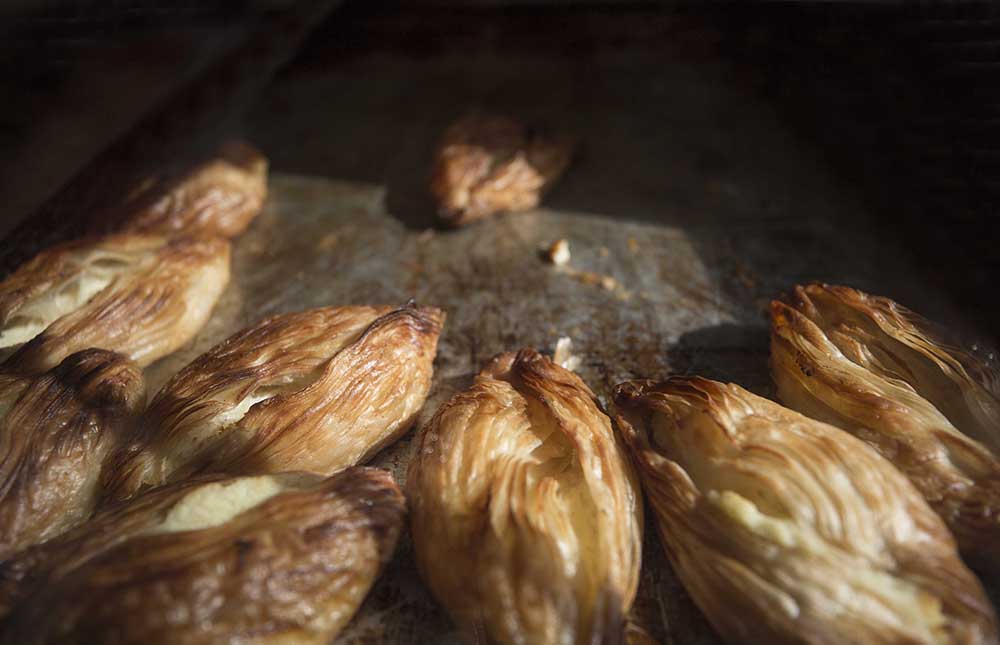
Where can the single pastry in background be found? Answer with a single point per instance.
(526, 515)
(142, 296)
(55, 431)
(220, 196)
(267, 559)
(787, 530)
(316, 390)
(488, 164)
(882, 373)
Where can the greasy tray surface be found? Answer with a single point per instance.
(690, 301)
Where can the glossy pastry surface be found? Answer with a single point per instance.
(788, 530)
(525, 513)
(879, 371)
(138, 295)
(316, 390)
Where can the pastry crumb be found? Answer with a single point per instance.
(563, 355)
(558, 253)
(328, 241)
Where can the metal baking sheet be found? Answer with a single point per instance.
(687, 300)
(690, 191)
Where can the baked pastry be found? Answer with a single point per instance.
(787, 530)
(525, 513)
(873, 368)
(315, 390)
(218, 197)
(268, 559)
(142, 296)
(55, 430)
(487, 164)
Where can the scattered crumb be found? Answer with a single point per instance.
(328, 241)
(558, 253)
(563, 355)
(601, 280)
(633, 245)
(426, 235)
(596, 279)
(604, 252)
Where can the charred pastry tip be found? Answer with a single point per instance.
(500, 365)
(800, 298)
(103, 378)
(242, 153)
(787, 322)
(789, 297)
(530, 359)
(426, 311)
(778, 308)
(428, 320)
(784, 316)
(526, 359)
(529, 355)
(632, 393)
(626, 393)
(369, 485)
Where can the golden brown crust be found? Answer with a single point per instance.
(55, 431)
(218, 197)
(892, 341)
(292, 569)
(787, 530)
(142, 296)
(487, 164)
(863, 364)
(526, 516)
(329, 387)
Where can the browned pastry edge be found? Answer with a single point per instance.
(293, 568)
(345, 381)
(53, 438)
(219, 196)
(151, 308)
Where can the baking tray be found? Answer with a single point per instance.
(689, 191)
(322, 242)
